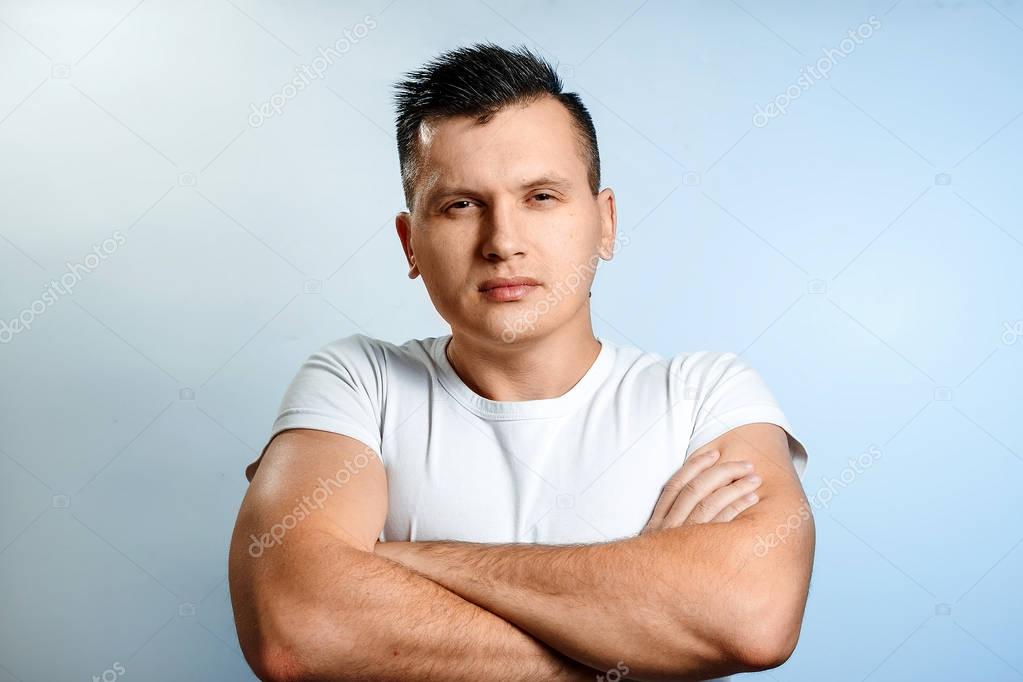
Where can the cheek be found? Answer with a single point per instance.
(572, 273)
(445, 262)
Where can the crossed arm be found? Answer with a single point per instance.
(688, 602)
(695, 600)
(313, 602)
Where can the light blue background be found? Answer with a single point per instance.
(861, 251)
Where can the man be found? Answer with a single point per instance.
(517, 500)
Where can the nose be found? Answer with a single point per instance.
(504, 232)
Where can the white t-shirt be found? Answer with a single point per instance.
(586, 466)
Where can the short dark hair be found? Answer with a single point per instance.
(479, 80)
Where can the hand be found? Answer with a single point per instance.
(703, 491)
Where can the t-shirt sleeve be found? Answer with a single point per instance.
(337, 389)
(727, 393)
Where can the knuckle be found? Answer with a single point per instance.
(700, 459)
(737, 468)
(703, 508)
(689, 488)
(677, 479)
(672, 487)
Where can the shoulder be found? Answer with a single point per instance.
(694, 383)
(688, 368)
(375, 360)
(360, 346)
(351, 347)
(706, 367)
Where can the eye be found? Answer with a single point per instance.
(543, 194)
(457, 204)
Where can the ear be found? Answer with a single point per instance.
(608, 222)
(403, 225)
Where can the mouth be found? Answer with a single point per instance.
(504, 294)
(506, 282)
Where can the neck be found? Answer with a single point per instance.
(527, 369)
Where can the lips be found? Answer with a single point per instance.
(497, 282)
(507, 289)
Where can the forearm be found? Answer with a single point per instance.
(598, 604)
(679, 601)
(381, 621)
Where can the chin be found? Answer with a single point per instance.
(506, 327)
(518, 326)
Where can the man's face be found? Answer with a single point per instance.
(509, 198)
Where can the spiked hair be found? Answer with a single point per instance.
(479, 81)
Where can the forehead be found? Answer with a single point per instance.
(519, 141)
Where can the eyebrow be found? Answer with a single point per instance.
(549, 180)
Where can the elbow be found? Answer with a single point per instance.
(282, 638)
(769, 642)
(314, 650)
(272, 657)
(279, 643)
(276, 664)
(285, 639)
(771, 607)
(307, 656)
(758, 644)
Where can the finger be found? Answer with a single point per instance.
(714, 503)
(736, 508)
(695, 492)
(693, 495)
(689, 470)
